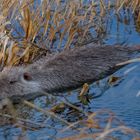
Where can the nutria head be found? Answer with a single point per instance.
(16, 83)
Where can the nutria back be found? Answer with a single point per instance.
(63, 71)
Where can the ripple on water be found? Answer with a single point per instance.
(122, 99)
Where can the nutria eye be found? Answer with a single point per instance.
(27, 77)
(12, 82)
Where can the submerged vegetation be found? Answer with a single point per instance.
(29, 28)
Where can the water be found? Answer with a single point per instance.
(123, 99)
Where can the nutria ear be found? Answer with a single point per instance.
(27, 76)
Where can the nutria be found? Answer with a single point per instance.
(69, 69)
